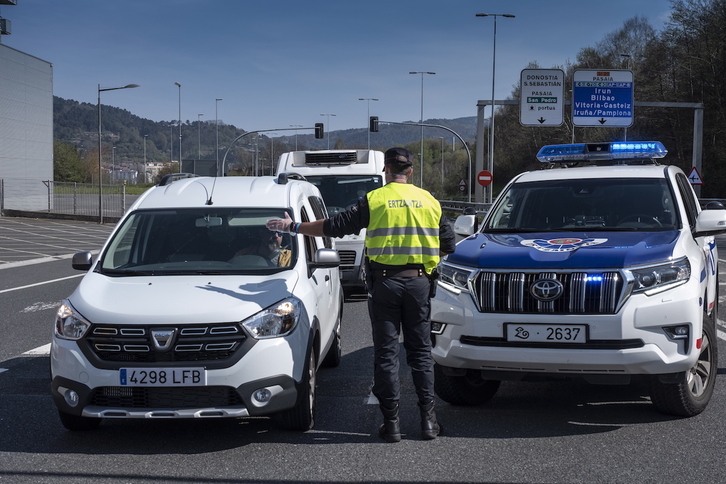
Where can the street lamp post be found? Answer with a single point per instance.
(442, 165)
(180, 126)
(100, 178)
(145, 136)
(199, 136)
(216, 124)
(420, 155)
(328, 127)
(296, 126)
(369, 99)
(490, 165)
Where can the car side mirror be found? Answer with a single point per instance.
(82, 261)
(326, 258)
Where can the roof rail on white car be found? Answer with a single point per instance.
(172, 177)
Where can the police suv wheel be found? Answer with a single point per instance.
(690, 396)
(467, 389)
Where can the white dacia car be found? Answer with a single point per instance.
(606, 272)
(193, 309)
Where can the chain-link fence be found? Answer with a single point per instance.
(80, 200)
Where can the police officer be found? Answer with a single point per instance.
(406, 235)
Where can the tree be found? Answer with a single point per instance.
(67, 166)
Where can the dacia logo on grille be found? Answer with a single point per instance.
(546, 289)
(162, 338)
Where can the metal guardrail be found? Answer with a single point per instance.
(459, 206)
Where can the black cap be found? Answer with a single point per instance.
(398, 156)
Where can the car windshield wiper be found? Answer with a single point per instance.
(127, 272)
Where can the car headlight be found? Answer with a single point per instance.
(68, 323)
(277, 320)
(455, 275)
(654, 279)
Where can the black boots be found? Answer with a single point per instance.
(430, 428)
(390, 431)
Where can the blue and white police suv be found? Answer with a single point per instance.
(603, 267)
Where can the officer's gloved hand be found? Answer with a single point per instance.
(280, 224)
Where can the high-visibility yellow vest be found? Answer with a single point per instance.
(404, 226)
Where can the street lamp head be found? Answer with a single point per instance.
(129, 86)
(507, 15)
(177, 84)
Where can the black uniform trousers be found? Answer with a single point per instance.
(401, 304)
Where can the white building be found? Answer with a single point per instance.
(26, 129)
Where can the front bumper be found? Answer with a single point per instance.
(631, 342)
(272, 365)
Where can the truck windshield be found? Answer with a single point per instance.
(198, 241)
(593, 204)
(341, 192)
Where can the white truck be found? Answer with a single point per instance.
(606, 272)
(342, 176)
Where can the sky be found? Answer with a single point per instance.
(285, 63)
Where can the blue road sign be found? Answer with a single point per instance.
(602, 98)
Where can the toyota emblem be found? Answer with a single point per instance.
(546, 289)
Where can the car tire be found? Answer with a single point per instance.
(335, 352)
(302, 416)
(690, 396)
(77, 423)
(467, 389)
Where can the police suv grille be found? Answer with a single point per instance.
(582, 292)
(165, 397)
(323, 158)
(148, 344)
(347, 259)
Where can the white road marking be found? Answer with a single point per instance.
(30, 262)
(39, 351)
(41, 283)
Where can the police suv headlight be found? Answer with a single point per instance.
(277, 320)
(68, 323)
(654, 279)
(456, 276)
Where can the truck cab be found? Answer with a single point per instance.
(342, 176)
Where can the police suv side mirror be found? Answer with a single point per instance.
(710, 222)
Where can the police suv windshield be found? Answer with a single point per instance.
(590, 204)
(198, 241)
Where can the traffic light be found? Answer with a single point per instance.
(373, 128)
(319, 131)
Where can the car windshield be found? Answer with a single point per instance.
(198, 241)
(340, 192)
(607, 204)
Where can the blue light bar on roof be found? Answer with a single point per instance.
(617, 150)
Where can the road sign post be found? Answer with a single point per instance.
(602, 98)
(541, 97)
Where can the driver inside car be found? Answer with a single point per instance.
(269, 246)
